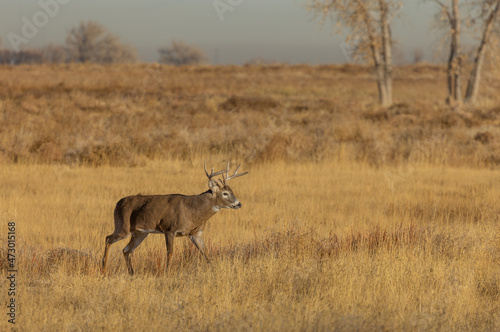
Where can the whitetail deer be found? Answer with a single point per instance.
(171, 215)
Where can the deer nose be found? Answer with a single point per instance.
(237, 206)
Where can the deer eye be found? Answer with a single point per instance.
(225, 194)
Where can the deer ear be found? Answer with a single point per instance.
(214, 187)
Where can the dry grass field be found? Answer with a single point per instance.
(353, 218)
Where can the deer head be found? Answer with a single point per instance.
(223, 194)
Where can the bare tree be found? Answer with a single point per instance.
(370, 35)
(490, 12)
(90, 42)
(450, 14)
(180, 53)
(480, 25)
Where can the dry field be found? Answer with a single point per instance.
(353, 218)
(125, 115)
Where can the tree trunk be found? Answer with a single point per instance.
(449, 76)
(380, 42)
(475, 75)
(383, 97)
(386, 52)
(376, 57)
(454, 60)
(383, 94)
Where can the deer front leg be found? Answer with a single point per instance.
(198, 243)
(169, 241)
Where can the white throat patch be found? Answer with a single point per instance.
(215, 208)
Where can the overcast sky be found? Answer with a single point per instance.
(279, 30)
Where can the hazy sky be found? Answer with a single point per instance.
(280, 30)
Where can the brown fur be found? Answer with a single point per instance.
(172, 215)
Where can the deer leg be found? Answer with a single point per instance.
(110, 239)
(198, 243)
(135, 241)
(169, 241)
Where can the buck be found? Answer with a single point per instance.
(172, 215)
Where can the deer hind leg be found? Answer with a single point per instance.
(135, 241)
(122, 230)
(110, 239)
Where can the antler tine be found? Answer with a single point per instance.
(235, 175)
(205, 167)
(212, 174)
(237, 168)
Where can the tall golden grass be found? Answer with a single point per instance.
(316, 246)
(353, 218)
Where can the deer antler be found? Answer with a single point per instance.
(235, 175)
(212, 174)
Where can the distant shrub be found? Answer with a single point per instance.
(180, 53)
(235, 103)
(32, 56)
(90, 42)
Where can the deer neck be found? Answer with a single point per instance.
(212, 199)
(206, 203)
